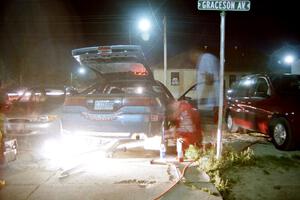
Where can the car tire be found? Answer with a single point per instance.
(282, 136)
(231, 127)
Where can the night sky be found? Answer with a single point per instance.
(37, 36)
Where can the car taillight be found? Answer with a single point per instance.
(75, 101)
(105, 50)
(141, 101)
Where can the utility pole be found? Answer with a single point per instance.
(165, 50)
(71, 79)
(129, 32)
(222, 5)
(221, 94)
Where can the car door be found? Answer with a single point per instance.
(239, 102)
(257, 112)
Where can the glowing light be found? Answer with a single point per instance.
(248, 82)
(289, 59)
(144, 25)
(81, 70)
(55, 93)
(27, 94)
(139, 90)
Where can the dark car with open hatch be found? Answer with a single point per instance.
(125, 102)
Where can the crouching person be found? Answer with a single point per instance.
(185, 126)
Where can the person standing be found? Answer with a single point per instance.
(3, 107)
(186, 124)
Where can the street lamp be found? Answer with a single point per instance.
(289, 59)
(144, 25)
(81, 70)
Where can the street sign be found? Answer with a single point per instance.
(224, 5)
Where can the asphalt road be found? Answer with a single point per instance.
(127, 175)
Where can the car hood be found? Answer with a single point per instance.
(125, 61)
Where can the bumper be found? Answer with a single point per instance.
(27, 128)
(124, 126)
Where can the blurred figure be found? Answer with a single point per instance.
(208, 77)
(184, 124)
(3, 106)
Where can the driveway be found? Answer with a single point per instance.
(127, 175)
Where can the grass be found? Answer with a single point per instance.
(217, 168)
(221, 170)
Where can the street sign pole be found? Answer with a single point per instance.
(222, 5)
(221, 94)
(165, 50)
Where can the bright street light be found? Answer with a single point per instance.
(81, 70)
(289, 59)
(144, 25)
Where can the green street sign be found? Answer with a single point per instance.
(224, 5)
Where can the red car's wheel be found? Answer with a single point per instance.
(281, 133)
(230, 125)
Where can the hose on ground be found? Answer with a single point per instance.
(175, 183)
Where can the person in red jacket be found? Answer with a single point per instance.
(185, 122)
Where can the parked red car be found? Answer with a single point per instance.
(268, 104)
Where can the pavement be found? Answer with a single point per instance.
(194, 185)
(128, 175)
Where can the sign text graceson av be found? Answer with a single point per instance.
(224, 5)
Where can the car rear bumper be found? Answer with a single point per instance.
(124, 126)
(25, 128)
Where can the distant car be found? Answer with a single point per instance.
(268, 104)
(35, 112)
(124, 103)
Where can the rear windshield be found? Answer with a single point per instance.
(117, 65)
(126, 88)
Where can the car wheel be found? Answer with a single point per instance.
(282, 136)
(231, 127)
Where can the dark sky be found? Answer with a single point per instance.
(39, 34)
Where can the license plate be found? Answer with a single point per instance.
(103, 105)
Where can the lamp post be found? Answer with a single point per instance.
(289, 59)
(144, 26)
(165, 50)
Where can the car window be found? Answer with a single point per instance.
(262, 88)
(118, 65)
(245, 87)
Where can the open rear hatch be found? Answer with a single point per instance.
(127, 61)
